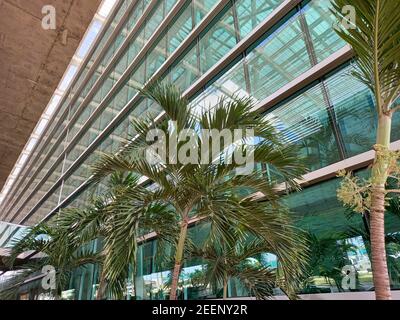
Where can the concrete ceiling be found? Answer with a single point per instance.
(32, 62)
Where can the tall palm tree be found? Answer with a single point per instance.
(375, 40)
(211, 190)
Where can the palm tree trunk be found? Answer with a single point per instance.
(225, 292)
(377, 221)
(134, 263)
(134, 271)
(102, 286)
(178, 258)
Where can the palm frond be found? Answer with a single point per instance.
(375, 40)
(259, 281)
(171, 100)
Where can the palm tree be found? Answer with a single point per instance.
(392, 240)
(65, 241)
(328, 256)
(228, 261)
(50, 242)
(374, 38)
(116, 218)
(211, 190)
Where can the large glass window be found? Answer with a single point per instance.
(338, 237)
(319, 22)
(218, 40)
(396, 124)
(202, 7)
(156, 57)
(355, 111)
(187, 71)
(305, 121)
(180, 29)
(279, 59)
(251, 12)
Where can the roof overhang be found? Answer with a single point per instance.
(33, 61)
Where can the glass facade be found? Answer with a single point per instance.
(337, 238)
(331, 119)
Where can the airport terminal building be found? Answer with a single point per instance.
(284, 54)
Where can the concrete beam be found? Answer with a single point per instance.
(33, 61)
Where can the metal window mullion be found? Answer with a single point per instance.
(235, 21)
(63, 167)
(197, 42)
(238, 38)
(325, 94)
(333, 122)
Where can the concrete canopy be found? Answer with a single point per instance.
(32, 63)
